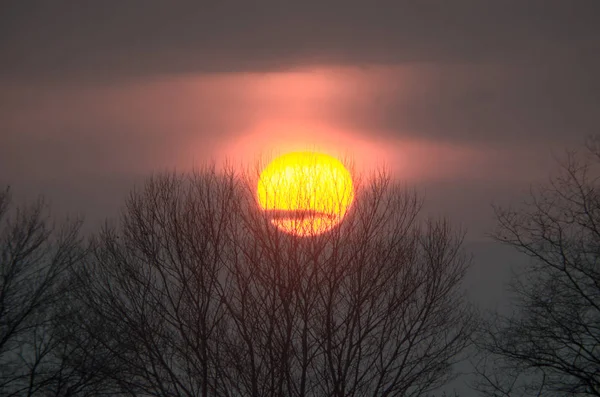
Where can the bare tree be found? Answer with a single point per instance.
(370, 308)
(154, 286)
(200, 294)
(551, 343)
(35, 257)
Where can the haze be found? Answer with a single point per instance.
(469, 102)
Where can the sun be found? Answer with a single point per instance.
(305, 193)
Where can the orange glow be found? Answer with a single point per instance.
(305, 193)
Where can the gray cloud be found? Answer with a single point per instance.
(475, 104)
(104, 39)
(511, 72)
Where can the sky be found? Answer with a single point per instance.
(468, 101)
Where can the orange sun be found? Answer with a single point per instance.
(305, 193)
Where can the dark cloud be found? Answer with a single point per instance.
(99, 39)
(471, 104)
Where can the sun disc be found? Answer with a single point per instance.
(305, 193)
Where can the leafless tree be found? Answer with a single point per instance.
(550, 345)
(35, 257)
(370, 308)
(154, 286)
(199, 294)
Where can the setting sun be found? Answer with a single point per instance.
(305, 193)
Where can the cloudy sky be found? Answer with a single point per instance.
(466, 100)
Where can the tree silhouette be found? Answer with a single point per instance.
(35, 257)
(196, 293)
(551, 344)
